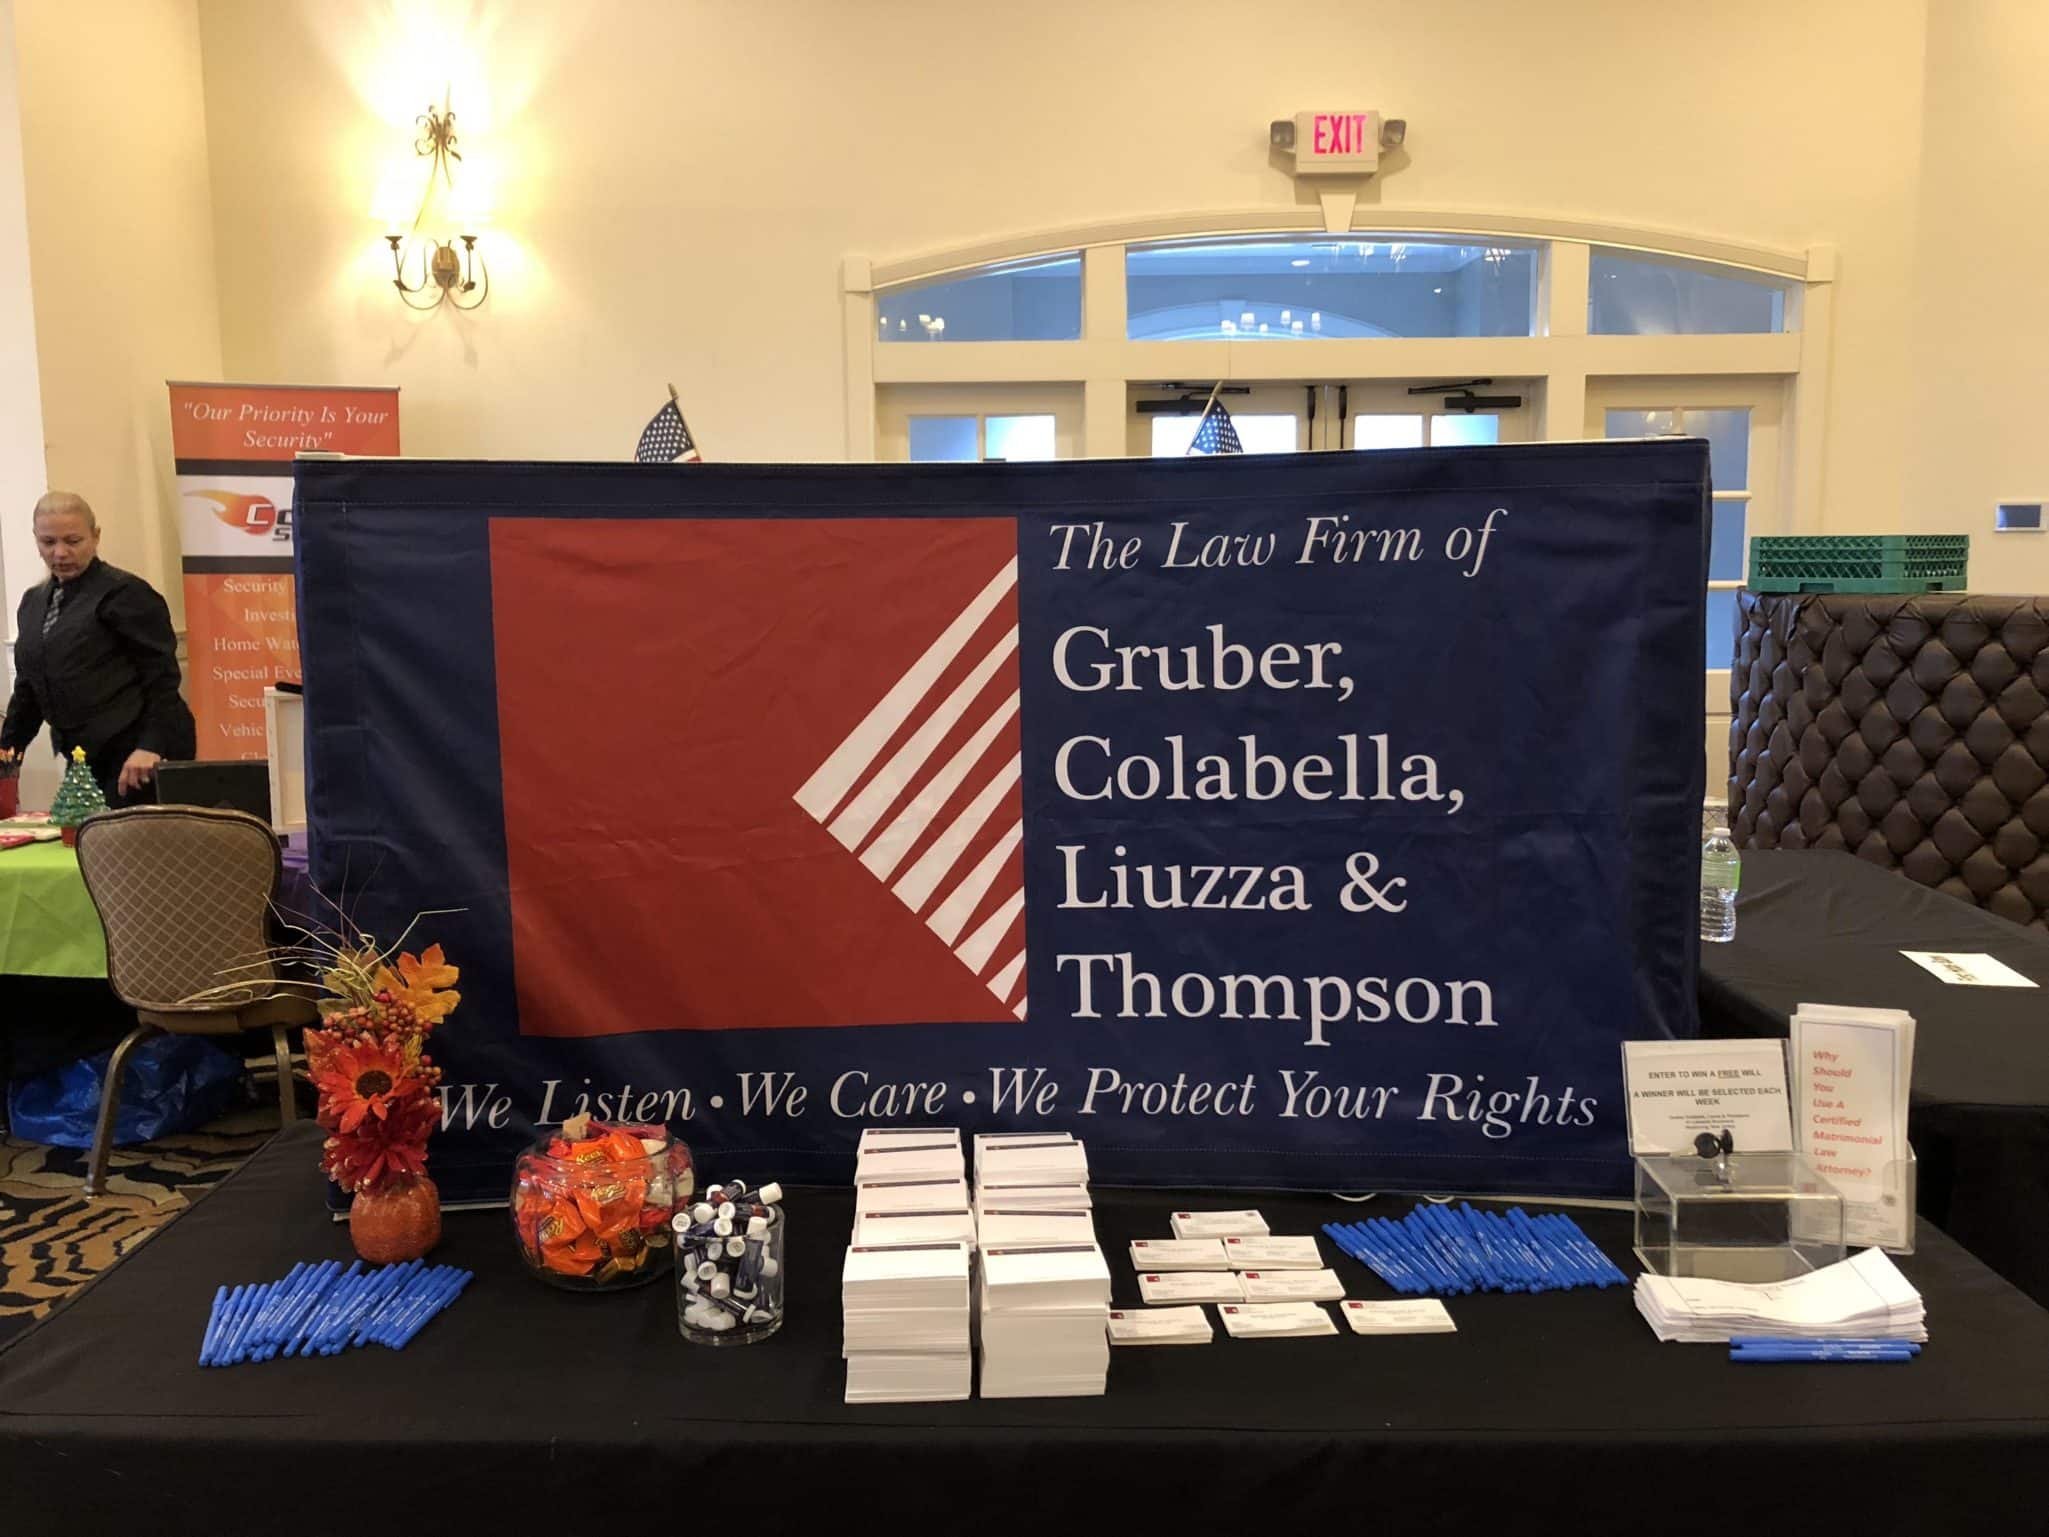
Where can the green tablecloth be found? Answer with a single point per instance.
(48, 927)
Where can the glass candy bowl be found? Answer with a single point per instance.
(591, 1212)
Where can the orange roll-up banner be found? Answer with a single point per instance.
(234, 445)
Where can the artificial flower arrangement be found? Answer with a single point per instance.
(368, 1058)
(370, 1062)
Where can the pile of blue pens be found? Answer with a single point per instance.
(1774, 1347)
(1450, 1251)
(322, 1310)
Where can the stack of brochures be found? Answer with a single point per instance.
(905, 1313)
(1861, 1298)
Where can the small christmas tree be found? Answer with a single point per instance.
(77, 798)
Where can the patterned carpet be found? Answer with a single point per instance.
(53, 1240)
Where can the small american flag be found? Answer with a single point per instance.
(667, 440)
(1215, 434)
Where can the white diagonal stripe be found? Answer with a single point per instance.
(947, 848)
(838, 774)
(981, 944)
(883, 854)
(1006, 979)
(1019, 1010)
(880, 793)
(951, 916)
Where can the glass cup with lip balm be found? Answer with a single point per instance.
(731, 1264)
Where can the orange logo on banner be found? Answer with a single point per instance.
(251, 514)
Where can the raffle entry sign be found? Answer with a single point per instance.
(233, 445)
(1321, 821)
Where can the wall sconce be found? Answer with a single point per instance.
(446, 276)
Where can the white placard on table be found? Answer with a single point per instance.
(1851, 1073)
(1968, 968)
(1678, 1089)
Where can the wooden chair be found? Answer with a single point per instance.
(184, 895)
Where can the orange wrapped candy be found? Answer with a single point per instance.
(591, 1206)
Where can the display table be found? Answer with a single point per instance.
(47, 924)
(1814, 926)
(553, 1412)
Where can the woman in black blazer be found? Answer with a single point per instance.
(96, 658)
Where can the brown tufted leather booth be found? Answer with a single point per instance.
(1911, 730)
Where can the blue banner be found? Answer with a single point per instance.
(1321, 821)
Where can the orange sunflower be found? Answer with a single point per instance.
(358, 1082)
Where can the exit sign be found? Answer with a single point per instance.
(1337, 143)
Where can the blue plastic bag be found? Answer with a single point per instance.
(173, 1083)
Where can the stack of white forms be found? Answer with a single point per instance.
(1862, 1298)
(1044, 1315)
(905, 1311)
(998, 1227)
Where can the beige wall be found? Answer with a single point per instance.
(672, 184)
(682, 179)
(21, 406)
(121, 246)
(1981, 355)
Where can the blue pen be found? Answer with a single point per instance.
(418, 1310)
(1768, 1341)
(448, 1281)
(238, 1300)
(1386, 1261)
(213, 1321)
(397, 1303)
(331, 1309)
(282, 1306)
(390, 1282)
(384, 1284)
(1366, 1248)
(1563, 1256)
(1430, 1274)
(299, 1325)
(224, 1309)
(408, 1306)
(447, 1294)
(230, 1353)
(323, 1284)
(1821, 1354)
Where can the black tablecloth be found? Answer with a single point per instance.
(1814, 926)
(574, 1413)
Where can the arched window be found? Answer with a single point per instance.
(1427, 330)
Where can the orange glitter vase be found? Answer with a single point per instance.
(398, 1223)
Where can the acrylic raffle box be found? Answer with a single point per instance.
(1748, 1217)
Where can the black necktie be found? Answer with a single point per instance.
(56, 602)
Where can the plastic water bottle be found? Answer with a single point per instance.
(1720, 869)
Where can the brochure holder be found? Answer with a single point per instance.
(1902, 1184)
(1754, 1217)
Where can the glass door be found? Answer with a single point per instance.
(1268, 418)
(923, 423)
(1740, 420)
(1434, 414)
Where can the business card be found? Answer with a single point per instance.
(1292, 1285)
(1178, 1254)
(1274, 1320)
(1420, 1315)
(1190, 1286)
(1298, 1253)
(1219, 1224)
(1160, 1326)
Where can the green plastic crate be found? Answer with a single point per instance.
(1859, 562)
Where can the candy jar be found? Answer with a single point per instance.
(591, 1203)
(731, 1264)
